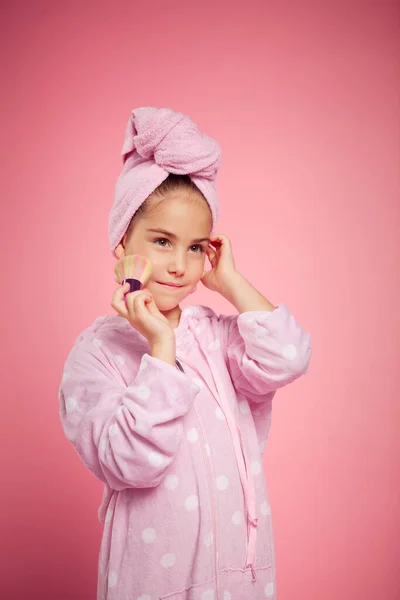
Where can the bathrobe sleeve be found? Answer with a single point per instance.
(265, 351)
(126, 435)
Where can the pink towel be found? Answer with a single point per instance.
(158, 142)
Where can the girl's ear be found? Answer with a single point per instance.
(119, 251)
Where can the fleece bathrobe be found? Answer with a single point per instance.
(179, 449)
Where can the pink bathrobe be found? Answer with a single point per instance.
(185, 508)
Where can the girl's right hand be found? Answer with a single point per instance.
(142, 313)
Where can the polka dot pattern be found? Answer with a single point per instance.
(219, 414)
(208, 539)
(222, 482)
(168, 561)
(103, 444)
(113, 430)
(198, 382)
(244, 407)
(265, 508)
(193, 435)
(237, 518)
(71, 403)
(142, 428)
(142, 391)
(149, 535)
(171, 482)
(227, 595)
(256, 467)
(289, 352)
(208, 595)
(120, 359)
(269, 590)
(156, 459)
(112, 579)
(109, 515)
(215, 345)
(191, 503)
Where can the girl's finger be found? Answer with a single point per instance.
(221, 242)
(117, 300)
(131, 300)
(211, 254)
(141, 307)
(152, 308)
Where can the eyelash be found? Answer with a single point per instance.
(158, 240)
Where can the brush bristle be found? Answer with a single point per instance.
(133, 266)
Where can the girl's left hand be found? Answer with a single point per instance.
(223, 266)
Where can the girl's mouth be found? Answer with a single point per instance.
(170, 285)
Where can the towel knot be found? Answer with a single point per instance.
(173, 141)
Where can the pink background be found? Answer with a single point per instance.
(303, 98)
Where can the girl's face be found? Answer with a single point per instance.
(174, 237)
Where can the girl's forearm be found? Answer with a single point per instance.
(244, 296)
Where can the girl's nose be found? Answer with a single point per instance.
(177, 264)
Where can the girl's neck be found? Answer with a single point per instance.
(173, 316)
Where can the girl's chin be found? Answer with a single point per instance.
(167, 304)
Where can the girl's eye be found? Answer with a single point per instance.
(161, 242)
(197, 248)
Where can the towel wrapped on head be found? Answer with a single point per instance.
(159, 142)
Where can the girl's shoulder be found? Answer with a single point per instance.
(111, 340)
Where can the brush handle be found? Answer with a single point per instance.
(134, 283)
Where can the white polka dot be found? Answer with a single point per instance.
(208, 539)
(71, 403)
(269, 590)
(289, 352)
(156, 459)
(112, 579)
(145, 597)
(222, 482)
(237, 518)
(171, 482)
(103, 444)
(191, 502)
(142, 391)
(113, 430)
(98, 343)
(208, 450)
(168, 561)
(244, 407)
(142, 428)
(149, 535)
(120, 359)
(198, 382)
(227, 595)
(265, 508)
(208, 595)
(109, 515)
(143, 365)
(194, 388)
(193, 435)
(220, 415)
(66, 376)
(256, 467)
(215, 345)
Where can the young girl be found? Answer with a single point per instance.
(171, 408)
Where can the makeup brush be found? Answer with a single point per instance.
(133, 269)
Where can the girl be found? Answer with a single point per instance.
(171, 408)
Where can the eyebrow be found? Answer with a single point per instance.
(173, 236)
